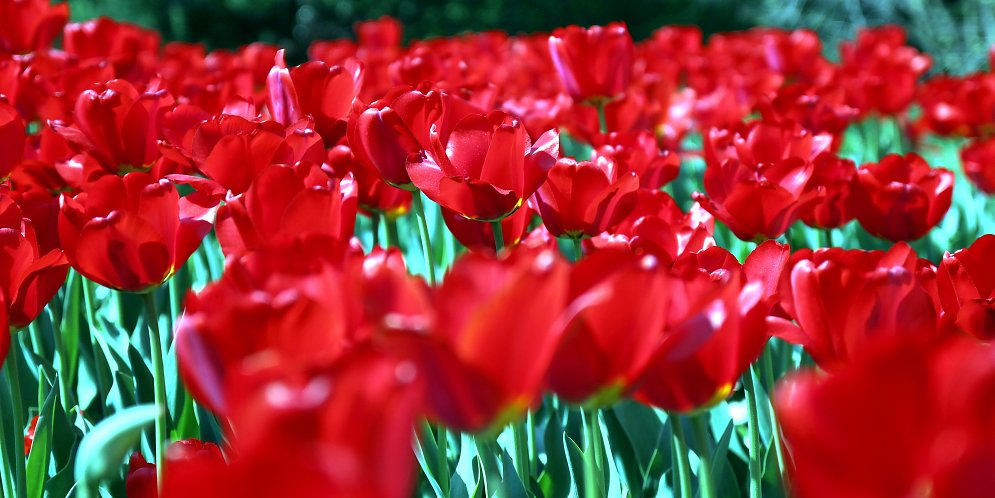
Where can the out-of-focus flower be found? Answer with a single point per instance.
(30, 24)
(901, 197)
(967, 288)
(594, 64)
(978, 158)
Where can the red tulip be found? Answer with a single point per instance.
(832, 181)
(618, 312)
(131, 49)
(298, 201)
(29, 276)
(133, 232)
(141, 479)
(978, 158)
(486, 167)
(901, 197)
(637, 152)
(30, 24)
(374, 195)
(495, 333)
(324, 92)
(879, 71)
(903, 420)
(583, 199)
(594, 64)
(118, 125)
(341, 430)
(383, 135)
(298, 305)
(967, 288)
(715, 328)
(12, 137)
(844, 301)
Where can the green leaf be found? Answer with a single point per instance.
(37, 466)
(103, 450)
(555, 477)
(513, 486)
(576, 459)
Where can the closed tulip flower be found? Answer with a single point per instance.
(29, 276)
(284, 201)
(978, 158)
(486, 167)
(30, 25)
(967, 288)
(12, 136)
(132, 233)
(583, 199)
(594, 64)
(618, 311)
(832, 180)
(902, 197)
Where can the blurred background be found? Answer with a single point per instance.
(956, 33)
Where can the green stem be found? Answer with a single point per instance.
(393, 239)
(17, 410)
(578, 248)
(6, 452)
(39, 349)
(522, 458)
(775, 429)
(828, 232)
(442, 447)
(498, 235)
(95, 339)
(756, 487)
(683, 474)
(60, 349)
(530, 433)
(602, 119)
(426, 245)
(705, 483)
(375, 228)
(159, 385)
(176, 290)
(593, 461)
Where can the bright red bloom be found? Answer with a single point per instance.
(638, 152)
(12, 136)
(340, 430)
(904, 420)
(133, 232)
(486, 167)
(131, 49)
(756, 178)
(832, 181)
(967, 288)
(583, 199)
(324, 92)
(879, 72)
(715, 328)
(617, 314)
(29, 275)
(282, 202)
(978, 158)
(383, 135)
(117, 124)
(299, 305)
(141, 479)
(845, 301)
(901, 197)
(479, 235)
(495, 333)
(30, 24)
(593, 63)
(374, 195)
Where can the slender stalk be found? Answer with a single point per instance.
(578, 248)
(522, 457)
(17, 409)
(602, 119)
(60, 348)
(91, 322)
(159, 384)
(593, 462)
(775, 429)
(705, 483)
(828, 232)
(39, 349)
(175, 299)
(375, 221)
(756, 487)
(6, 452)
(393, 240)
(530, 434)
(426, 245)
(683, 475)
(498, 235)
(442, 449)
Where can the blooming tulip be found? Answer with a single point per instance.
(901, 197)
(967, 288)
(594, 64)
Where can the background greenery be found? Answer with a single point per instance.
(956, 33)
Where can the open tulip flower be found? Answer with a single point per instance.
(486, 167)
(132, 232)
(583, 199)
(967, 288)
(902, 197)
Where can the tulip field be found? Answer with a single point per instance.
(549, 265)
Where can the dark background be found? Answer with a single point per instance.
(955, 33)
